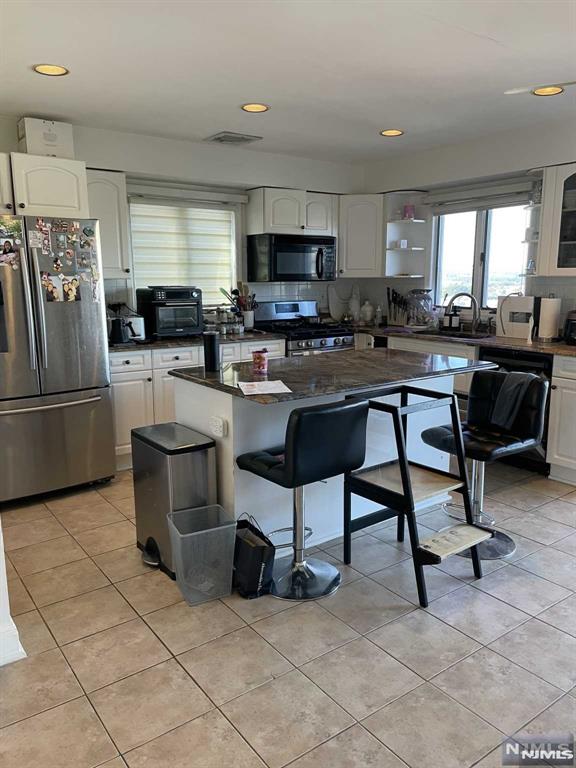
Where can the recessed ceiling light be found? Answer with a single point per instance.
(392, 132)
(52, 70)
(548, 90)
(255, 108)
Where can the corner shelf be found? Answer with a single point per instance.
(403, 277)
(407, 221)
(414, 249)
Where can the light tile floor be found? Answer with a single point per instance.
(121, 672)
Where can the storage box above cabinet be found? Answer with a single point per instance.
(49, 186)
(108, 202)
(291, 212)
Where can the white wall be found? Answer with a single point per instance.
(210, 164)
(200, 163)
(495, 155)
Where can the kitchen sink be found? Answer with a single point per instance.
(455, 334)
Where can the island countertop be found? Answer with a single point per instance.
(332, 373)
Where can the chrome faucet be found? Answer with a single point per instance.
(475, 308)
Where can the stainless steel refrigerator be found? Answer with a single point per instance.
(56, 427)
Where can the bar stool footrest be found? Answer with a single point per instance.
(451, 541)
(307, 533)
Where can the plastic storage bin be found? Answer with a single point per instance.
(202, 551)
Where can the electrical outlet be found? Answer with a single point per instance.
(218, 426)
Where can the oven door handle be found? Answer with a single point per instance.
(177, 304)
(320, 263)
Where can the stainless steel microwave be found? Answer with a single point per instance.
(284, 258)
(170, 311)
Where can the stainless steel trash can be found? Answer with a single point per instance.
(174, 468)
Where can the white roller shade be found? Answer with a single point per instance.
(184, 245)
(480, 197)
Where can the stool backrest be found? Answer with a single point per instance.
(529, 421)
(325, 440)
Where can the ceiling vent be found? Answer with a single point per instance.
(232, 139)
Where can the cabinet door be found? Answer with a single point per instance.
(561, 448)
(319, 213)
(285, 211)
(49, 186)
(132, 398)
(561, 222)
(164, 409)
(230, 353)
(6, 199)
(361, 243)
(108, 202)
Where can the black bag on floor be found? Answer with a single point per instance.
(253, 559)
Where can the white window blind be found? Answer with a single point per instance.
(480, 196)
(184, 245)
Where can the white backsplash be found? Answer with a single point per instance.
(560, 287)
(373, 289)
(118, 291)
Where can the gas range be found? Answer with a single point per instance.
(299, 322)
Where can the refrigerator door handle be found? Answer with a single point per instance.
(29, 309)
(41, 310)
(53, 407)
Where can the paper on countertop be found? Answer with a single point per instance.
(263, 387)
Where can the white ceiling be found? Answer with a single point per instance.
(334, 71)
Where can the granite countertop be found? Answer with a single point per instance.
(332, 373)
(194, 341)
(547, 347)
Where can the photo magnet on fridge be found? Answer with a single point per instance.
(52, 285)
(71, 288)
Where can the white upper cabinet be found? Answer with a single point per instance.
(6, 199)
(361, 236)
(108, 202)
(291, 212)
(321, 213)
(557, 247)
(49, 186)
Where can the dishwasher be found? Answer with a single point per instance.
(525, 361)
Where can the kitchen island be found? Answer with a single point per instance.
(213, 404)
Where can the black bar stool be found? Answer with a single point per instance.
(400, 485)
(486, 441)
(322, 441)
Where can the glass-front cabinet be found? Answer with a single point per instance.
(557, 251)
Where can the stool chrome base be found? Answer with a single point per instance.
(308, 580)
(498, 547)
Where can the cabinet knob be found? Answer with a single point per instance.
(21, 205)
(302, 226)
(9, 206)
(127, 271)
(149, 378)
(126, 362)
(176, 357)
(341, 271)
(554, 386)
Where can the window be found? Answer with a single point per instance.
(184, 245)
(481, 252)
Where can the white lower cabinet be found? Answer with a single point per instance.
(133, 404)
(164, 409)
(561, 447)
(143, 390)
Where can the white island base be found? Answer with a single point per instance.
(250, 426)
